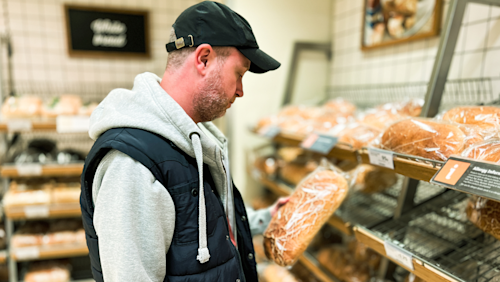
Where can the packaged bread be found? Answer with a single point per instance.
(275, 273)
(425, 138)
(484, 116)
(485, 214)
(295, 224)
(341, 263)
(21, 194)
(380, 119)
(63, 105)
(358, 135)
(488, 150)
(340, 105)
(370, 179)
(293, 173)
(22, 107)
(410, 107)
(266, 165)
(29, 234)
(48, 271)
(362, 254)
(289, 153)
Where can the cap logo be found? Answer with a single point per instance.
(179, 43)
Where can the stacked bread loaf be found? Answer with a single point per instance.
(485, 214)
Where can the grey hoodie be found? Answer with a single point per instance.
(134, 214)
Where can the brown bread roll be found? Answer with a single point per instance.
(370, 179)
(485, 214)
(359, 135)
(293, 227)
(484, 151)
(485, 116)
(425, 138)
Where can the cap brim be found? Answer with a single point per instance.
(260, 61)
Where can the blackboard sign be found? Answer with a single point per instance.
(104, 32)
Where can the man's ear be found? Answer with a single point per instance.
(205, 56)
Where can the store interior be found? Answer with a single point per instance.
(397, 220)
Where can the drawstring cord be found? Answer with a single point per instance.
(203, 253)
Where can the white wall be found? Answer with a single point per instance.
(277, 25)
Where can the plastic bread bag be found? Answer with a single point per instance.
(294, 226)
(488, 150)
(379, 119)
(409, 107)
(483, 116)
(426, 138)
(340, 105)
(358, 135)
(369, 179)
(485, 214)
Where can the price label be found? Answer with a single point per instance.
(270, 131)
(398, 254)
(29, 169)
(36, 211)
(319, 143)
(71, 124)
(381, 157)
(17, 125)
(27, 253)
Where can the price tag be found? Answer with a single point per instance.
(398, 254)
(17, 125)
(27, 253)
(71, 124)
(270, 131)
(381, 157)
(475, 177)
(36, 211)
(29, 169)
(319, 143)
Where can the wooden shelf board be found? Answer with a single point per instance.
(54, 211)
(47, 170)
(49, 252)
(426, 272)
(409, 168)
(312, 265)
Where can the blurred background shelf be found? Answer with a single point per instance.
(49, 170)
(48, 252)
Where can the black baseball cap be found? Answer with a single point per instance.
(216, 24)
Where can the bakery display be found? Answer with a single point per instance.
(33, 193)
(293, 227)
(358, 135)
(44, 233)
(21, 107)
(62, 105)
(488, 150)
(275, 273)
(485, 214)
(425, 138)
(48, 271)
(484, 116)
(293, 173)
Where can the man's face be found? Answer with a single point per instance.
(221, 87)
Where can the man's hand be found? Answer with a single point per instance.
(279, 203)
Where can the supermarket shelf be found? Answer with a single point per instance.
(411, 168)
(61, 124)
(43, 211)
(424, 271)
(34, 170)
(35, 125)
(48, 252)
(313, 266)
(444, 244)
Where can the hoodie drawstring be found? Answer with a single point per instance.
(203, 253)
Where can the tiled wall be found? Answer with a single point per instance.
(41, 63)
(477, 53)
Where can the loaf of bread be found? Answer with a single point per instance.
(488, 150)
(484, 116)
(410, 107)
(370, 179)
(425, 138)
(293, 173)
(275, 273)
(22, 107)
(380, 119)
(485, 214)
(358, 135)
(293, 227)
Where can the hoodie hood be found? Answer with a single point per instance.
(147, 106)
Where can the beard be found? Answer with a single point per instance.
(211, 101)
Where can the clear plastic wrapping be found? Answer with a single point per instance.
(314, 200)
(485, 214)
(340, 105)
(410, 107)
(488, 150)
(48, 271)
(370, 179)
(358, 135)
(436, 140)
(380, 119)
(484, 116)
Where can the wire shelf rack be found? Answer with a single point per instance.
(440, 233)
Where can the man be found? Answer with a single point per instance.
(158, 201)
